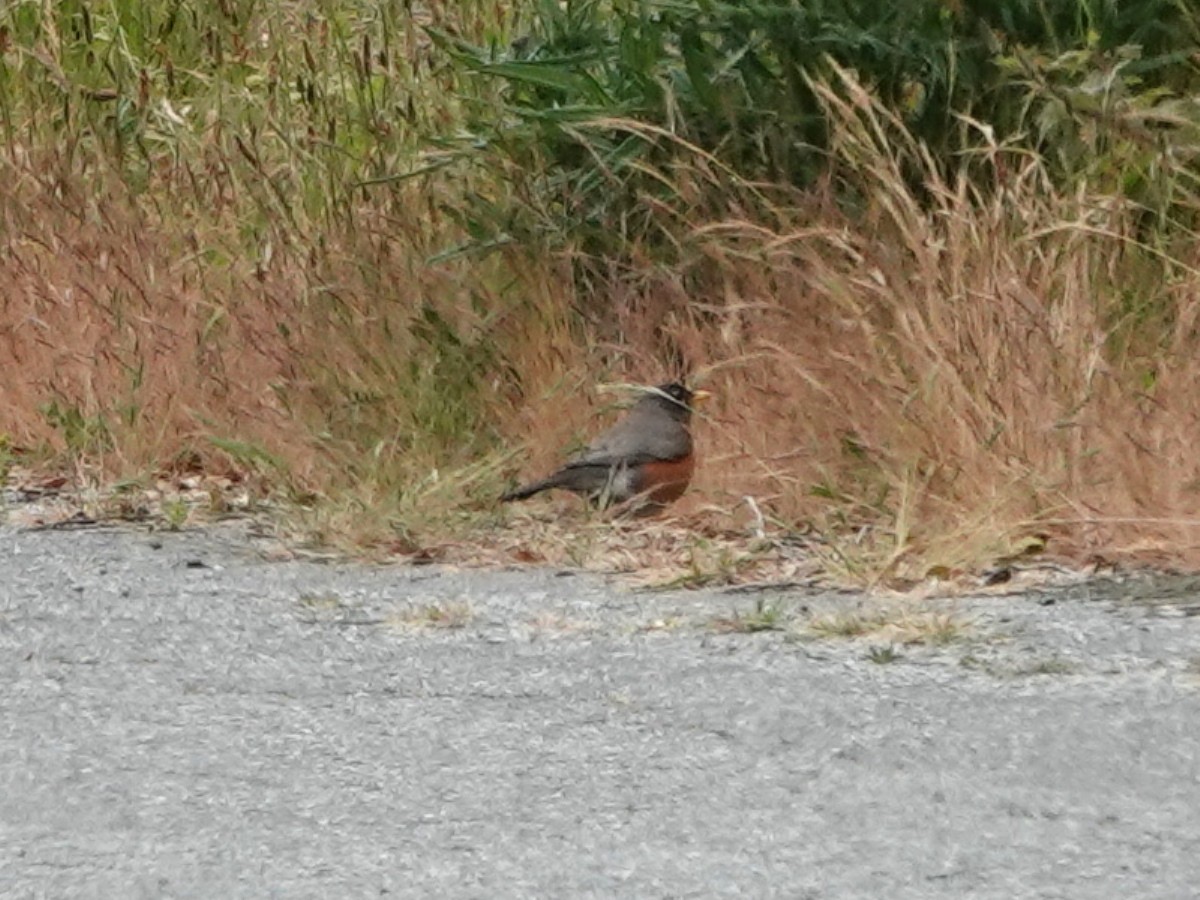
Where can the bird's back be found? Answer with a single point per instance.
(644, 435)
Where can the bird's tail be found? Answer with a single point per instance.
(526, 491)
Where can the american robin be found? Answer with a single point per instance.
(645, 460)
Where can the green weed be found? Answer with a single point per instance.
(175, 512)
(883, 654)
(765, 616)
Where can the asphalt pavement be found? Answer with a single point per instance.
(180, 717)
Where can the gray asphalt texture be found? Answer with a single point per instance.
(184, 719)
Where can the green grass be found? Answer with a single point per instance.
(176, 514)
(765, 616)
(883, 654)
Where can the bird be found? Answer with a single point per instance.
(645, 461)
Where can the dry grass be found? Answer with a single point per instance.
(901, 624)
(450, 615)
(676, 551)
(944, 374)
(941, 377)
(924, 380)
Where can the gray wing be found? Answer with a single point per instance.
(636, 439)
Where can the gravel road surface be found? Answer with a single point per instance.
(180, 718)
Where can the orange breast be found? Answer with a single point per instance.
(664, 481)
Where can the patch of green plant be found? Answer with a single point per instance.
(175, 513)
(80, 433)
(765, 616)
(7, 457)
(882, 654)
(320, 601)
(600, 100)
